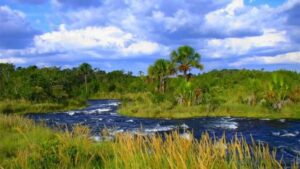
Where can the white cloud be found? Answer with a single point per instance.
(12, 60)
(287, 58)
(238, 20)
(90, 37)
(225, 17)
(95, 42)
(142, 47)
(238, 46)
(90, 43)
(172, 23)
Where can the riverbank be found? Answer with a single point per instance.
(24, 106)
(141, 105)
(165, 110)
(25, 144)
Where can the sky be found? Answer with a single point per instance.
(130, 35)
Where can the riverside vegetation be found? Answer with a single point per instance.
(24, 144)
(168, 90)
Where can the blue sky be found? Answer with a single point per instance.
(131, 34)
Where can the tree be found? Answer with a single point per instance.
(6, 71)
(160, 70)
(85, 69)
(186, 58)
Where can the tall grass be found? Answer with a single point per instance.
(24, 144)
(141, 105)
(25, 106)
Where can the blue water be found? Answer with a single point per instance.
(281, 134)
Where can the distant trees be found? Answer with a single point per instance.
(54, 84)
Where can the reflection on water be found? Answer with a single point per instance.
(282, 134)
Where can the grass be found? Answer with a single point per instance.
(25, 145)
(24, 106)
(166, 110)
(140, 105)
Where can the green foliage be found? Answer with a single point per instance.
(224, 93)
(185, 93)
(55, 85)
(277, 93)
(186, 58)
(157, 98)
(159, 71)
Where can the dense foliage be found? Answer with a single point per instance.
(272, 90)
(57, 85)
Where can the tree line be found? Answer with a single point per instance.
(57, 85)
(168, 80)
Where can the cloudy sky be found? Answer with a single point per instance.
(131, 34)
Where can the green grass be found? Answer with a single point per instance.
(140, 105)
(26, 145)
(165, 110)
(24, 106)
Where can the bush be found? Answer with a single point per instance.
(157, 98)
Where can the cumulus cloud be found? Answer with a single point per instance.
(89, 37)
(142, 47)
(287, 58)
(156, 20)
(231, 47)
(223, 31)
(108, 38)
(238, 20)
(15, 31)
(87, 44)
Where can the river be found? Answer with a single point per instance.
(282, 134)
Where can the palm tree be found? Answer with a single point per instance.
(160, 70)
(85, 69)
(186, 58)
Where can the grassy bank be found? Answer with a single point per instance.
(24, 106)
(141, 105)
(27, 145)
(166, 110)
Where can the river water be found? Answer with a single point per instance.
(281, 134)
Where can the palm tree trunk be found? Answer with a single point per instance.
(185, 75)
